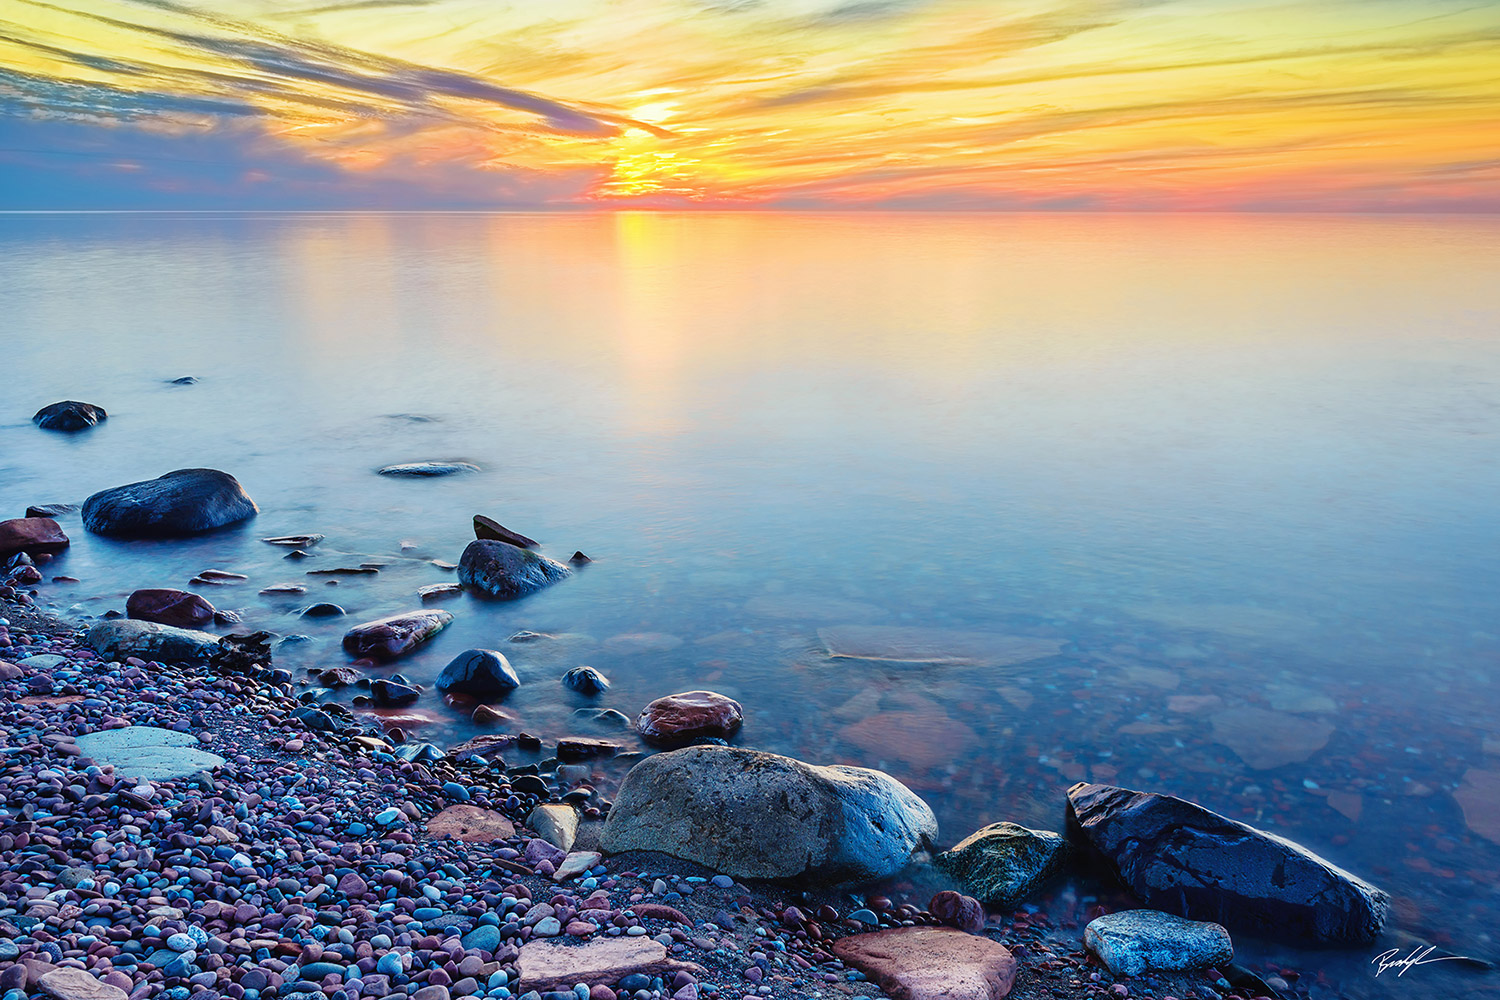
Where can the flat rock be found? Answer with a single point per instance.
(678, 719)
(912, 644)
(53, 510)
(1479, 797)
(642, 642)
(124, 637)
(1265, 739)
(76, 984)
(397, 635)
(488, 527)
(32, 535)
(550, 965)
(471, 824)
(1003, 863)
(184, 502)
(177, 608)
(1135, 941)
(920, 740)
(294, 541)
(931, 963)
(429, 469)
(502, 570)
(69, 415)
(148, 752)
(556, 823)
(751, 814)
(1176, 856)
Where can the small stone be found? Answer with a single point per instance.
(679, 719)
(584, 680)
(556, 823)
(483, 673)
(1003, 863)
(963, 912)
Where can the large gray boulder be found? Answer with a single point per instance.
(507, 571)
(124, 637)
(185, 502)
(1179, 857)
(1003, 863)
(751, 814)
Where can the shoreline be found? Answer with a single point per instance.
(341, 782)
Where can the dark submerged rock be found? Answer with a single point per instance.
(184, 502)
(69, 415)
(1179, 857)
(751, 814)
(584, 680)
(32, 535)
(483, 673)
(488, 527)
(177, 608)
(507, 571)
(680, 719)
(52, 510)
(1003, 863)
(397, 635)
(428, 469)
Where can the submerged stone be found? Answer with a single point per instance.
(69, 415)
(502, 570)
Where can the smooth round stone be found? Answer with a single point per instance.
(483, 673)
(184, 502)
(678, 719)
(177, 608)
(69, 415)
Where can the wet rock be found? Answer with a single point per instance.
(320, 610)
(397, 635)
(1132, 942)
(184, 502)
(957, 910)
(428, 469)
(148, 752)
(471, 824)
(69, 415)
(150, 641)
(679, 719)
(556, 823)
(52, 510)
(294, 541)
(1003, 863)
(438, 591)
(388, 693)
(931, 963)
(32, 535)
(579, 559)
(505, 571)
(177, 608)
(581, 748)
(488, 527)
(1179, 857)
(760, 815)
(584, 680)
(483, 673)
(545, 965)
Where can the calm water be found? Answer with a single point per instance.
(1227, 463)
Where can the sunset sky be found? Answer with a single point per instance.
(1320, 105)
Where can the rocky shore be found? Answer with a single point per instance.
(184, 818)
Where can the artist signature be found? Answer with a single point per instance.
(1387, 960)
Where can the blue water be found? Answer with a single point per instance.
(1244, 458)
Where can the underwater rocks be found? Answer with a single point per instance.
(184, 502)
(395, 636)
(751, 814)
(177, 608)
(1136, 941)
(69, 415)
(428, 469)
(483, 673)
(1003, 863)
(679, 719)
(1179, 857)
(502, 570)
(32, 535)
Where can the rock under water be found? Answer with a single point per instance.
(184, 502)
(752, 814)
(502, 570)
(69, 415)
(396, 635)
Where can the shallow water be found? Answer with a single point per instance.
(1225, 463)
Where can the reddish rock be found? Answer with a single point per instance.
(470, 824)
(931, 963)
(660, 911)
(912, 741)
(545, 965)
(177, 608)
(32, 535)
(679, 719)
(956, 910)
(388, 638)
(76, 984)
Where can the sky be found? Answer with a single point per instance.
(1156, 105)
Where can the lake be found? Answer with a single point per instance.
(1234, 477)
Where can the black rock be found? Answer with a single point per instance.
(488, 527)
(585, 680)
(185, 380)
(52, 510)
(1182, 858)
(322, 610)
(579, 559)
(507, 571)
(483, 673)
(391, 693)
(69, 415)
(185, 502)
